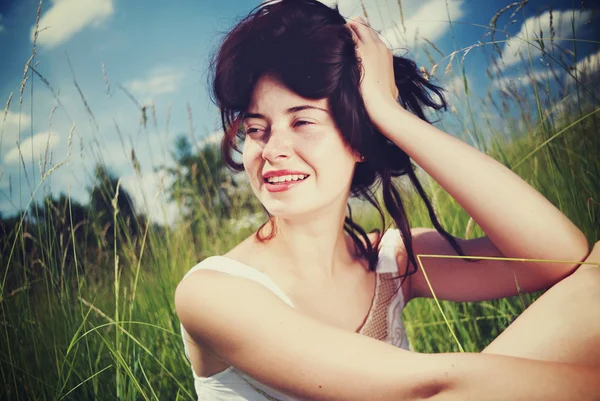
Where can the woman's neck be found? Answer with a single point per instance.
(315, 247)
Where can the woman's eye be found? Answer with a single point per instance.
(250, 131)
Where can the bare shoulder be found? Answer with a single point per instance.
(200, 296)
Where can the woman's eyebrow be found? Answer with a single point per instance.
(288, 111)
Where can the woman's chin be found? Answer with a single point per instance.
(286, 209)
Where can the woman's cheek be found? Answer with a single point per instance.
(312, 143)
(251, 153)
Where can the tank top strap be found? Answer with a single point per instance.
(387, 251)
(235, 268)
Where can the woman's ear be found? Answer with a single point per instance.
(358, 157)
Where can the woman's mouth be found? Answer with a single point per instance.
(284, 182)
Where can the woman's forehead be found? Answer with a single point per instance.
(270, 95)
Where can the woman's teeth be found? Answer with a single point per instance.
(284, 178)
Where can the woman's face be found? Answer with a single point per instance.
(293, 152)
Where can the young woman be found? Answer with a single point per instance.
(309, 307)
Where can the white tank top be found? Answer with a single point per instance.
(384, 322)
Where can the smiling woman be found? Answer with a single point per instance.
(309, 306)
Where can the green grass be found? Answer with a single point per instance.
(91, 316)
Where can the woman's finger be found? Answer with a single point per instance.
(362, 29)
(355, 37)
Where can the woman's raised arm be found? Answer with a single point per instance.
(518, 220)
(249, 327)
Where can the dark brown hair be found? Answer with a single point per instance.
(306, 46)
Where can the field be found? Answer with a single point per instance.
(87, 290)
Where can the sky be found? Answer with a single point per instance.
(98, 62)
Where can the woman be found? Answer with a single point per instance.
(295, 311)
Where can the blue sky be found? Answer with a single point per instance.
(158, 51)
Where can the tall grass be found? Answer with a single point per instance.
(96, 320)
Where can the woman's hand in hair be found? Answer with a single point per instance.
(377, 85)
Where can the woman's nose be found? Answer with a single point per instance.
(277, 146)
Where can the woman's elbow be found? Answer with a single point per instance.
(581, 249)
(574, 249)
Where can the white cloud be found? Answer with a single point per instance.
(36, 145)
(148, 193)
(423, 18)
(66, 18)
(590, 64)
(586, 67)
(429, 21)
(10, 127)
(158, 82)
(516, 46)
(524, 80)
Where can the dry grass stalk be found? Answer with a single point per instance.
(434, 46)
(33, 52)
(98, 311)
(153, 113)
(7, 107)
(70, 144)
(433, 70)
(23, 162)
(45, 155)
(144, 120)
(23, 83)
(168, 120)
(467, 50)
(552, 31)
(50, 116)
(135, 161)
(106, 81)
(191, 129)
(130, 96)
(56, 166)
(469, 228)
(115, 204)
(83, 99)
(46, 82)
(518, 4)
(402, 16)
(364, 10)
(449, 66)
(40, 167)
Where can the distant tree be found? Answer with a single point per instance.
(201, 172)
(102, 194)
(58, 225)
(197, 182)
(62, 211)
